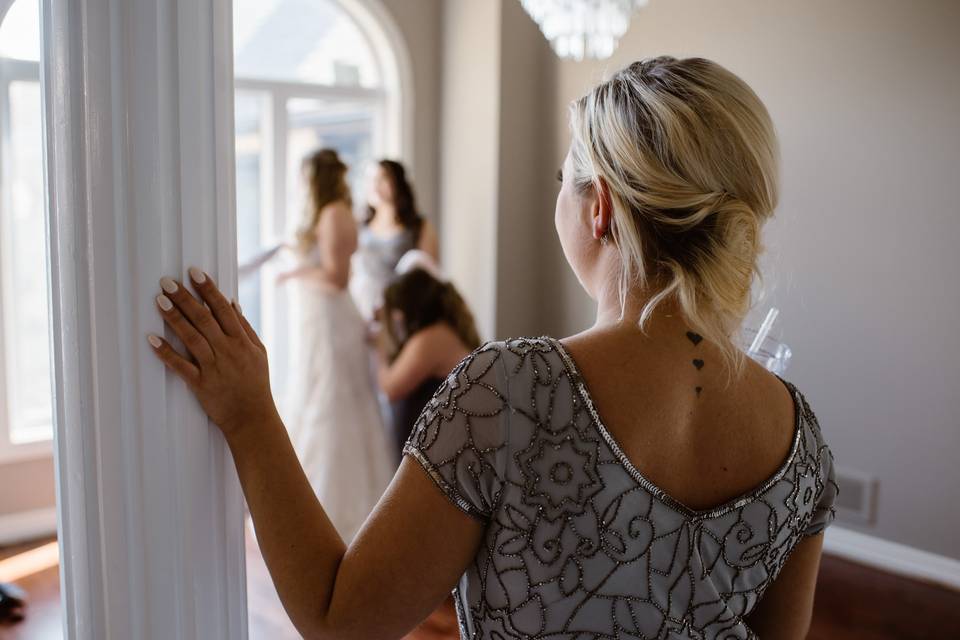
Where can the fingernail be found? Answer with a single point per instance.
(168, 285)
(164, 303)
(154, 341)
(198, 276)
(237, 306)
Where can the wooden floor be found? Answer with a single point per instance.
(852, 603)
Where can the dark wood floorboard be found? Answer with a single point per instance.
(43, 620)
(853, 602)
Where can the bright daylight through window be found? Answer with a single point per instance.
(25, 395)
(306, 77)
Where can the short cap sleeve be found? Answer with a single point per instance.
(823, 512)
(461, 436)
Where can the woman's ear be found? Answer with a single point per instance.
(602, 209)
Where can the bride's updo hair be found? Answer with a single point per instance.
(689, 155)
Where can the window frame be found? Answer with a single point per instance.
(278, 325)
(12, 70)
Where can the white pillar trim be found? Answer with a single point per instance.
(138, 107)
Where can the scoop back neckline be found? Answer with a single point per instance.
(698, 514)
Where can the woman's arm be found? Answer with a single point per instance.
(785, 610)
(429, 241)
(402, 565)
(409, 553)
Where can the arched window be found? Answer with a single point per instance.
(309, 74)
(25, 393)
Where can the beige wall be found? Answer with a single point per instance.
(26, 486)
(420, 24)
(470, 152)
(526, 171)
(497, 70)
(863, 258)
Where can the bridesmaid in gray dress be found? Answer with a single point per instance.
(642, 479)
(392, 227)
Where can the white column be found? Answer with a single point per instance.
(140, 171)
(470, 153)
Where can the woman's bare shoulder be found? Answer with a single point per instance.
(438, 336)
(336, 218)
(440, 345)
(339, 211)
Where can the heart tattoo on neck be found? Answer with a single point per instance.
(696, 339)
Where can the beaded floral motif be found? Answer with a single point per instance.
(578, 543)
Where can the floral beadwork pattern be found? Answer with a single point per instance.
(578, 544)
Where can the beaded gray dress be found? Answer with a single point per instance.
(578, 544)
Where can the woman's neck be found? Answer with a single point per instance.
(614, 314)
(385, 215)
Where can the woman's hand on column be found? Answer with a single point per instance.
(226, 364)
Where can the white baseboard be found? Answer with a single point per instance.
(27, 525)
(892, 556)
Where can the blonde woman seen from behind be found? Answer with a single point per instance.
(639, 479)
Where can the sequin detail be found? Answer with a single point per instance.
(578, 544)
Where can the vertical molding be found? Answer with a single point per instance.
(388, 44)
(470, 153)
(138, 111)
(526, 188)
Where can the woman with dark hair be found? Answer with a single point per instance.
(393, 226)
(336, 426)
(426, 330)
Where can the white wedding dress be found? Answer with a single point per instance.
(333, 414)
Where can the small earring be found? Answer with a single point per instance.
(605, 238)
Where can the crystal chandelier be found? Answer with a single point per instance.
(582, 28)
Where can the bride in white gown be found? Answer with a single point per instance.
(335, 423)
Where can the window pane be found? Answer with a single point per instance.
(311, 41)
(344, 126)
(20, 31)
(24, 270)
(249, 111)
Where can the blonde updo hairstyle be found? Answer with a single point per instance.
(689, 156)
